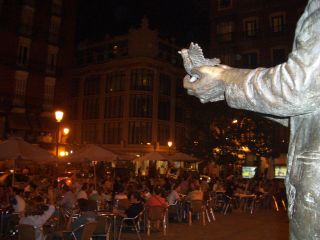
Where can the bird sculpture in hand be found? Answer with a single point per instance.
(193, 57)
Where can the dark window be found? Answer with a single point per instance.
(179, 87)
(140, 132)
(165, 84)
(164, 109)
(180, 114)
(75, 87)
(250, 60)
(225, 4)
(89, 133)
(115, 81)
(114, 107)
(142, 79)
(90, 109)
(163, 134)
(113, 133)
(140, 106)
(92, 85)
(180, 138)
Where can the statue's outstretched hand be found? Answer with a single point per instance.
(210, 85)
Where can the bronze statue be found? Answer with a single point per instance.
(291, 93)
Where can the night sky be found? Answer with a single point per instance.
(183, 20)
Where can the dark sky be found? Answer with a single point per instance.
(184, 20)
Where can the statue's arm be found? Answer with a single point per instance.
(288, 89)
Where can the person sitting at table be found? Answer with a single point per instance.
(87, 214)
(156, 199)
(17, 201)
(82, 194)
(68, 200)
(218, 186)
(37, 215)
(135, 207)
(121, 193)
(174, 195)
(195, 193)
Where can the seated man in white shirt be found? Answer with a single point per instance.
(37, 216)
(174, 195)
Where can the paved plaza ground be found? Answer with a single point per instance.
(262, 225)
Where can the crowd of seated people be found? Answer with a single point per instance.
(141, 193)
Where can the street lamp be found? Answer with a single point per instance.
(59, 116)
(170, 145)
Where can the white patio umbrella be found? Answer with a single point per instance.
(155, 156)
(180, 156)
(17, 149)
(183, 157)
(92, 152)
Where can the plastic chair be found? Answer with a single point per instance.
(197, 207)
(135, 222)
(103, 227)
(86, 231)
(157, 215)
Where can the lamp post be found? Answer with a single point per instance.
(59, 116)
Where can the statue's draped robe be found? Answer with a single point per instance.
(291, 91)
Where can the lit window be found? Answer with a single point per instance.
(52, 59)
(251, 27)
(277, 23)
(225, 31)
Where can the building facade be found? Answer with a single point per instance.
(255, 33)
(127, 93)
(37, 39)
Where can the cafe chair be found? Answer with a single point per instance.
(85, 231)
(157, 215)
(175, 212)
(132, 222)
(210, 203)
(103, 228)
(197, 208)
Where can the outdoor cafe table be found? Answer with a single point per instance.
(245, 199)
(114, 217)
